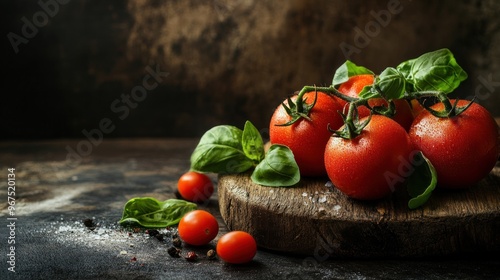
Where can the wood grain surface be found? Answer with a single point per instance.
(313, 219)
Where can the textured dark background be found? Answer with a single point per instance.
(227, 61)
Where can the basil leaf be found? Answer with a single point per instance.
(390, 85)
(347, 70)
(421, 182)
(220, 151)
(433, 71)
(277, 169)
(151, 213)
(253, 145)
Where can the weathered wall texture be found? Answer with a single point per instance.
(229, 61)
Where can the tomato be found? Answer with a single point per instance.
(372, 165)
(307, 139)
(236, 247)
(195, 187)
(404, 113)
(352, 88)
(416, 108)
(198, 227)
(463, 148)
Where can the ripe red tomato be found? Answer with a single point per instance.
(371, 165)
(463, 148)
(404, 113)
(352, 88)
(195, 187)
(307, 138)
(198, 227)
(236, 247)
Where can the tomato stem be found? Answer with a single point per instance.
(300, 109)
(352, 126)
(330, 90)
(450, 110)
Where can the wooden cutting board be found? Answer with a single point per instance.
(317, 220)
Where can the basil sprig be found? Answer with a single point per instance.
(151, 213)
(433, 71)
(226, 149)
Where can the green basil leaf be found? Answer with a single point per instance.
(151, 213)
(369, 92)
(278, 169)
(347, 70)
(253, 145)
(433, 71)
(220, 151)
(421, 182)
(390, 84)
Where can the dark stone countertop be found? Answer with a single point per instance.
(57, 190)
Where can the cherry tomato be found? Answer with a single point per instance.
(307, 138)
(195, 187)
(198, 227)
(463, 148)
(371, 165)
(352, 88)
(236, 247)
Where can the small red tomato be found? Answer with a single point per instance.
(236, 247)
(198, 227)
(463, 148)
(195, 187)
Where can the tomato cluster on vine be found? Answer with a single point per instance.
(371, 134)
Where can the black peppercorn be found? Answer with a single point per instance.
(159, 236)
(152, 232)
(174, 252)
(89, 223)
(177, 242)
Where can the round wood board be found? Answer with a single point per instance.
(312, 219)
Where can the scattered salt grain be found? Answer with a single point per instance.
(336, 207)
(304, 194)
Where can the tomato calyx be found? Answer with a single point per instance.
(298, 109)
(449, 111)
(352, 125)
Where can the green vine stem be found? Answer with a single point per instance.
(329, 90)
(353, 127)
(450, 110)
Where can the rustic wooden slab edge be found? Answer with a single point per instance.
(311, 219)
